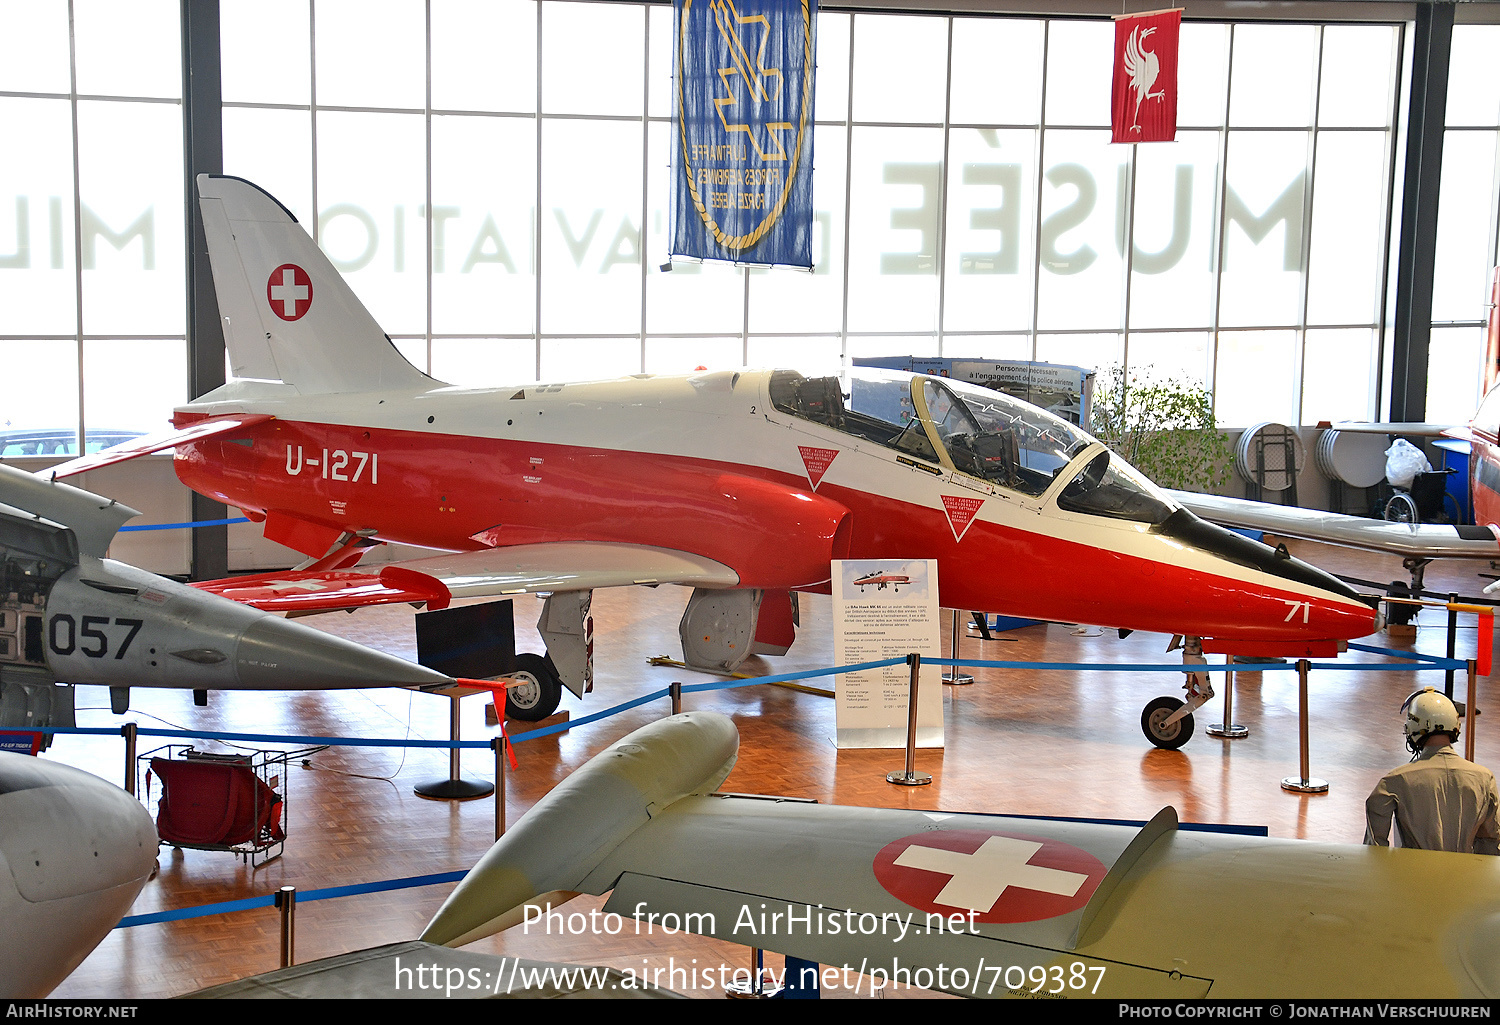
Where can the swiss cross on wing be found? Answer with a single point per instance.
(1143, 104)
(991, 876)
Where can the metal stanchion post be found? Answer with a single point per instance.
(286, 901)
(755, 988)
(497, 744)
(675, 689)
(1469, 710)
(128, 732)
(1228, 729)
(454, 788)
(1306, 784)
(1452, 641)
(911, 778)
(455, 755)
(954, 676)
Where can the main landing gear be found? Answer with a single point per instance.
(1168, 722)
(567, 630)
(539, 692)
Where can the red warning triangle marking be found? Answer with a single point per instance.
(816, 461)
(961, 512)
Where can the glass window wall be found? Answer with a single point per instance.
(967, 206)
(91, 223)
(492, 177)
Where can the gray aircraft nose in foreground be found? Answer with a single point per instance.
(68, 616)
(75, 852)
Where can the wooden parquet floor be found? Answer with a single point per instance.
(1053, 743)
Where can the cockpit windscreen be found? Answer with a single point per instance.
(984, 433)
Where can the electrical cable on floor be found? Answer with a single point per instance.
(291, 755)
(410, 695)
(388, 780)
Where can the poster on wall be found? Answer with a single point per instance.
(886, 608)
(1064, 391)
(1143, 101)
(743, 145)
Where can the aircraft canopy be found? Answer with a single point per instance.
(975, 431)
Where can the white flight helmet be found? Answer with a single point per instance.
(1428, 712)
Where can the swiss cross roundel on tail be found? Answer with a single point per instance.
(289, 291)
(998, 877)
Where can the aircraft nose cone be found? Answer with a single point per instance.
(276, 654)
(552, 850)
(74, 853)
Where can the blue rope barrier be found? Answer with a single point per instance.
(201, 911)
(188, 524)
(1427, 662)
(276, 738)
(411, 882)
(1153, 667)
(698, 688)
(303, 896)
(694, 688)
(562, 727)
(1412, 656)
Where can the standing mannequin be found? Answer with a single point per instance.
(1439, 800)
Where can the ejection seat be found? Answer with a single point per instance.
(991, 457)
(221, 802)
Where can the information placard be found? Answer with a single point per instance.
(886, 608)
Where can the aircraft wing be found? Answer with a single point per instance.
(1409, 541)
(886, 888)
(148, 443)
(437, 580)
(974, 904)
(377, 973)
(1407, 430)
(322, 591)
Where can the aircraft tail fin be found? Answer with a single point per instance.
(288, 315)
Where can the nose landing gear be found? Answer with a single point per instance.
(1168, 722)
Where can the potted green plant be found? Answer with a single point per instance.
(1163, 426)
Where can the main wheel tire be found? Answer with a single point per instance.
(1451, 509)
(540, 691)
(1169, 738)
(1402, 509)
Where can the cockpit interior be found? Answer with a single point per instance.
(976, 431)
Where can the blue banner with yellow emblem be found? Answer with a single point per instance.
(742, 153)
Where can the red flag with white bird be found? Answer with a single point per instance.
(1143, 105)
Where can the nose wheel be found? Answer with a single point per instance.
(1168, 736)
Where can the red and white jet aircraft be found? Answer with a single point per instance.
(881, 580)
(742, 484)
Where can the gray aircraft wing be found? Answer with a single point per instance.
(423, 971)
(885, 893)
(1407, 430)
(978, 905)
(1407, 540)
